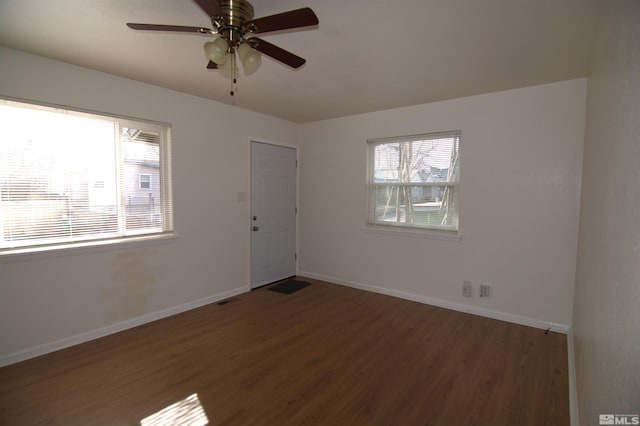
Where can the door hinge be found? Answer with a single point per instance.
(296, 163)
(296, 210)
(295, 256)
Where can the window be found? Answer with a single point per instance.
(413, 181)
(145, 181)
(71, 177)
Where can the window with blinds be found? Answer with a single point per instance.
(413, 181)
(70, 177)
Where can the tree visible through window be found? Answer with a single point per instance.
(413, 181)
(67, 176)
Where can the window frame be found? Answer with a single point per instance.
(410, 229)
(140, 181)
(132, 237)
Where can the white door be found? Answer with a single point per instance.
(273, 213)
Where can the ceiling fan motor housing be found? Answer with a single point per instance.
(236, 13)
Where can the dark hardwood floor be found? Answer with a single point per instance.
(327, 354)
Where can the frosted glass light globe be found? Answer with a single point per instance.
(216, 50)
(250, 58)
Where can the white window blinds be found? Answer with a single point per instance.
(413, 181)
(68, 176)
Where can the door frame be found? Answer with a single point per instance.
(249, 197)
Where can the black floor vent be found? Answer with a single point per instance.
(225, 301)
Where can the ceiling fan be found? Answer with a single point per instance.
(232, 21)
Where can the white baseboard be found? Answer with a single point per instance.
(573, 386)
(114, 328)
(489, 313)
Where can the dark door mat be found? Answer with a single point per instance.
(289, 286)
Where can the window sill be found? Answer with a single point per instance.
(83, 247)
(413, 232)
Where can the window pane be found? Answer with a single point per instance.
(141, 173)
(426, 160)
(48, 165)
(432, 206)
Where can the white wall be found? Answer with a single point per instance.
(520, 189)
(607, 294)
(51, 301)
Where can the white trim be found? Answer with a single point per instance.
(574, 414)
(270, 142)
(66, 342)
(28, 253)
(371, 186)
(412, 232)
(418, 137)
(103, 114)
(483, 312)
(98, 236)
(425, 184)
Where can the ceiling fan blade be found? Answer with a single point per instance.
(179, 28)
(212, 65)
(283, 21)
(210, 7)
(277, 53)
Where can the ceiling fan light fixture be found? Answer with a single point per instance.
(216, 50)
(232, 20)
(250, 58)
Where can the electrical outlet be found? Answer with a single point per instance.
(466, 289)
(485, 290)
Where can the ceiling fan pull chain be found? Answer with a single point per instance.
(233, 73)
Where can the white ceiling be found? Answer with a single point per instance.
(366, 55)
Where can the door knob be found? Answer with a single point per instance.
(255, 228)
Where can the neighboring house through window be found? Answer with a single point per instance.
(413, 181)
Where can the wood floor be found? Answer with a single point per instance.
(327, 355)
